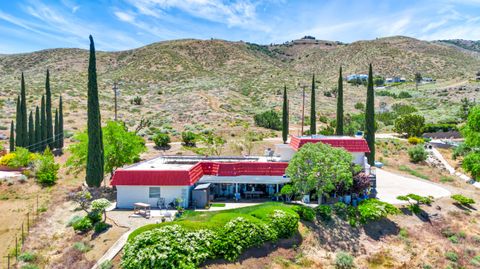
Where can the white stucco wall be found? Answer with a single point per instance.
(128, 195)
(359, 158)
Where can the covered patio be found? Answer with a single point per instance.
(243, 187)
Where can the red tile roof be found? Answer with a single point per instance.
(192, 175)
(348, 143)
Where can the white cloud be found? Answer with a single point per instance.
(126, 17)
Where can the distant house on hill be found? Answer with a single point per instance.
(353, 77)
(395, 80)
(427, 80)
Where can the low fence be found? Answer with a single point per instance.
(15, 248)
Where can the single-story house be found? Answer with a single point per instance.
(169, 178)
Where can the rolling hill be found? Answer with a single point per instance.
(220, 84)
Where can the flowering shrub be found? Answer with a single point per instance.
(7, 159)
(169, 247)
(284, 223)
(240, 234)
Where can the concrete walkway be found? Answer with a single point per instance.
(390, 185)
(452, 171)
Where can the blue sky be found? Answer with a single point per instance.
(29, 25)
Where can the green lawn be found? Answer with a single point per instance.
(196, 220)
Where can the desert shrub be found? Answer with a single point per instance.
(21, 157)
(6, 159)
(403, 95)
(418, 199)
(465, 201)
(161, 140)
(417, 154)
(106, 265)
(373, 209)
(451, 256)
(341, 210)
(82, 247)
(387, 117)
(137, 100)
(189, 138)
(360, 106)
(83, 225)
(415, 140)
(403, 109)
(73, 220)
(306, 213)
(344, 260)
(94, 216)
(168, 247)
(461, 150)
(268, 119)
(240, 234)
(100, 227)
(475, 261)
(46, 170)
(324, 212)
(411, 124)
(27, 257)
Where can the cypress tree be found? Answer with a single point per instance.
(370, 118)
(55, 137)
(313, 118)
(48, 106)
(60, 123)
(38, 130)
(43, 125)
(18, 123)
(12, 137)
(285, 116)
(23, 108)
(339, 130)
(31, 132)
(95, 157)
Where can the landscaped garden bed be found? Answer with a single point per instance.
(198, 236)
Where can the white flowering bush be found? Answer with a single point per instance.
(240, 234)
(100, 204)
(169, 247)
(284, 223)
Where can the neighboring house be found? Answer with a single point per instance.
(353, 77)
(173, 177)
(395, 80)
(427, 80)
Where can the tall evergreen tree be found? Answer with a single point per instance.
(23, 108)
(313, 117)
(285, 116)
(31, 132)
(370, 118)
(56, 133)
(43, 125)
(95, 155)
(48, 107)
(18, 123)
(339, 130)
(12, 137)
(38, 130)
(60, 123)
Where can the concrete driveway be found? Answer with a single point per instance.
(391, 185)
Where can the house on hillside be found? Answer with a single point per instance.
(395, 80)
(167, 178)
(353, 77)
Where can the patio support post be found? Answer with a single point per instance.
(277, 192)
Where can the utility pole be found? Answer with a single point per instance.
(115, 92)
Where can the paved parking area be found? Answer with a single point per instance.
(391, 185)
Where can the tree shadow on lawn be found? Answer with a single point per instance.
(286, 249)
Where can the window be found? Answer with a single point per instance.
(154, 192)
